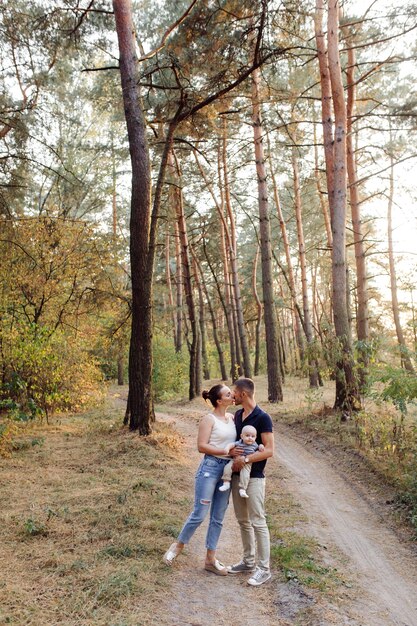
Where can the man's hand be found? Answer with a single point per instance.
(238, 463)
(236, 451)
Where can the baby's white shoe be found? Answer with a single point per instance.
(242, 493)
(225, 486)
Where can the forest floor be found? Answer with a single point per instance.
(84, 524)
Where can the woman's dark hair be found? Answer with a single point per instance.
(214, 394)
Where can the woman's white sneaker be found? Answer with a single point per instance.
(259, 577)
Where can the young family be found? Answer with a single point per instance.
(235, 452)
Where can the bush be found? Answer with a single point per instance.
(48, 373)
(170, 370)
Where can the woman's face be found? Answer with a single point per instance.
(226, 397)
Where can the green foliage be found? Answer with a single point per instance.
(398, 386)
(296, 559)
(33, 527)
(170, 370)
(47, 373)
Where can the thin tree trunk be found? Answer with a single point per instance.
(193, 343)
(405, 358)
(362, 329)
(347, 393)
(169, 286)
(213, 321)
(202, 320)
(272, 354)
(312, 371)
(326, 100)
(323, 205)
(235, 365)
(259, 312)
(238, 312)
(114, 187)
(291, 278)
(179, 281)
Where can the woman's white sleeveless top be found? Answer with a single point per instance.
(222, 433)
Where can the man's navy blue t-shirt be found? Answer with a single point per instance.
(263, 424)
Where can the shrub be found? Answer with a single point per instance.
(48, 372)
(170, 370)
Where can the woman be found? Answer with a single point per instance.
(216, 430)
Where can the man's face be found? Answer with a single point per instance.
(237, 394)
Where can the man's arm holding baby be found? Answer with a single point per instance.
(260, 454)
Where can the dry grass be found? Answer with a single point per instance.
(87, 513)
(88, 508)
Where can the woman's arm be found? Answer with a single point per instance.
(203, 438)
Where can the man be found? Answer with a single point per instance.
(250, 512)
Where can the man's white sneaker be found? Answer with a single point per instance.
(259, 577)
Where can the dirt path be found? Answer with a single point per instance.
(199, 598)
(384, 569)
(384, 591)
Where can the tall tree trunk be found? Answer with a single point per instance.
(323, 204)
(202, 319)
(226, 247)
(291, 278)
(114, 187)
(259, 312)
(179, 285)
(193, 343)
(312, 371)
(213, 320)
(326, 100)
(226, 309)
(140, 404)
(235, 365)
(272, 353)
(233, 261)
(405, 358)
(347, 393)
(169, 286)
(362, 329)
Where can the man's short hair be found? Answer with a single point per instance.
(245, 384)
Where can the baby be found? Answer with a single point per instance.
(249, 445)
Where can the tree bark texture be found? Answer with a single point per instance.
(362, 327)
(290, 270)
(140, 404)
(178, 280)
(193, 343)
(347, 394)
(233, 261)
(259, 312)
(271, 334)
(213, 321)
(169, 285)
(405, 358)
(326, 98)
(312, 371)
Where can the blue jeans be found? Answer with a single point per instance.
(207, 497)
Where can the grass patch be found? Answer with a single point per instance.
(294, 553)
(85, 519)
(384, 438)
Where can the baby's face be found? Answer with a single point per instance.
(249, 437)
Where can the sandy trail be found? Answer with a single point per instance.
(200, 598)
(382, 568)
